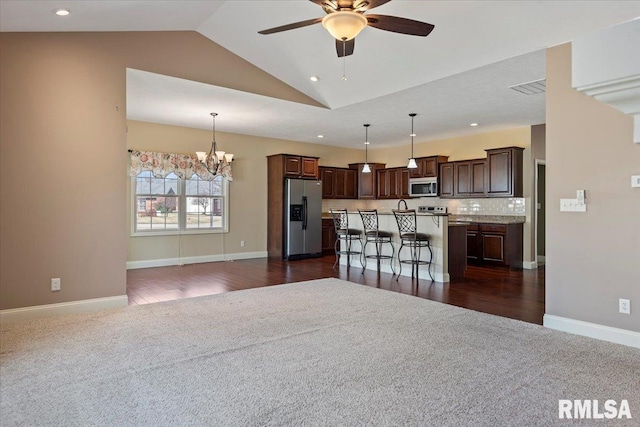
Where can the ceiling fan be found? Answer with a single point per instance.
(346, 18)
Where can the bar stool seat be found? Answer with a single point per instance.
(372, 234)
(346, 235)
(415, 241)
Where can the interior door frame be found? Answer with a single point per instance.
(537, 162)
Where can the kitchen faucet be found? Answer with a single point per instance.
(405, 204)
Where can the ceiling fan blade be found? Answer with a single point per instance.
(368, 4)
(399, 25)
(345, 49)
(291, 26)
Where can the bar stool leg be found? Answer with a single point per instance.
(393, 251)
(400, 259)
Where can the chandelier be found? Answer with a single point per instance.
(215, 158)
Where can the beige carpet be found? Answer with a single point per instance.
(324, 352)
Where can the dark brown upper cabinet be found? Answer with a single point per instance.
(300, 166)
(504, 172)
(499, 175)
(339, 183)
(427, 167)
(367, 182)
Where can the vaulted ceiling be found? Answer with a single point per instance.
(461, 73)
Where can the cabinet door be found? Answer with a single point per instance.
(382, 176)
(328, 237)
(499, 173)
(462, 173)
(446, 180)
(504, 172)
(394, 180)
(327, 175)
(309, 167)
(473, 244)
(493, 247)
(341, 183)
(403, 187)
(351, 179)
(292, 166)
(429, 167)
(366, 185)
(478, 177)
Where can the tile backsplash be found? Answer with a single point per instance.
(512, 206)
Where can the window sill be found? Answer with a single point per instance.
(177, 232)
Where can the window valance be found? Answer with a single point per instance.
(183, 165)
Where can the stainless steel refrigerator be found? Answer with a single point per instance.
(303, 218)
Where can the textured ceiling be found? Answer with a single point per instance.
(459, 74)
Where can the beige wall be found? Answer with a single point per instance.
(460, 148)
(63, 151)
(592, 257)
(247, 192)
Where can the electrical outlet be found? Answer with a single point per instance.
(624, 305)
(242, 243)
(55, 284)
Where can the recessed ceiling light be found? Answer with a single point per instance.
(314, 78)
(320, 136)
(473, 124)
(61, 12)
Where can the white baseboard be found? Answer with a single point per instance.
(72, 307)
(592, 330)
(529, 265)
(132, 265)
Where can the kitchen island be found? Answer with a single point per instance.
(435, 225)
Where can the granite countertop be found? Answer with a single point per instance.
(491, 219)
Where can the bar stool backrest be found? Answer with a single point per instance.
(406, 220)
(340, 219)
(369, 219)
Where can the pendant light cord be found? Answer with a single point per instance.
(344, 60)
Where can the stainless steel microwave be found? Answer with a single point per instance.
(423, 187)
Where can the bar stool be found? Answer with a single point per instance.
(409, 236)
(372, 234)
(345, 234)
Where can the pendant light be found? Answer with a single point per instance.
(412, 161)
(366, 168)
(214, 158)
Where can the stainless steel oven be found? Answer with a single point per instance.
(423, 187)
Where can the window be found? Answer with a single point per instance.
(172, 205)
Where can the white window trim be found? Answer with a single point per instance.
(182, 199)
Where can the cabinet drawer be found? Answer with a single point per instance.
(494, 228)
(473, 227)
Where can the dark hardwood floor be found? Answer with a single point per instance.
(515, 294)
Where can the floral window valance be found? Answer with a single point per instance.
(183, 165)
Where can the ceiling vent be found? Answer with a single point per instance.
(531, 88)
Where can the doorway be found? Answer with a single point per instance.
(540, 215)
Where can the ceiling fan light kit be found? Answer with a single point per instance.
(345, 19)
(344, 25)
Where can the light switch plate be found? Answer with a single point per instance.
(635, 181)
(572, 205)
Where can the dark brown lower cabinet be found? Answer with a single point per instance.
(497, 244)
(328, 237)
